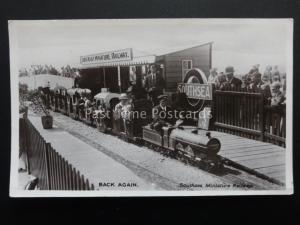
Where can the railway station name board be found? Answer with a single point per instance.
(196, 90)
(107, 57)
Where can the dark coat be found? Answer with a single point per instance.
(235, 82)
(154, 81)
(277, 99)
(161, 117)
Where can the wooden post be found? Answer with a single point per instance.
(213, 109)
(261, 117)
(74, 179)
(138, 73)
(119, 79)
(27, 134)
(78, 183)
(104, 77)
(47, 160)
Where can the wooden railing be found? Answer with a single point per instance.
(245, 113)
(275, 125)
(45, 163)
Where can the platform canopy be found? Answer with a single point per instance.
(125, 57)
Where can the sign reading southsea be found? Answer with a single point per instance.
(196, 88)
(107, 57)
(197, 91)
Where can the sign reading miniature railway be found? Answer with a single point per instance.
(107, 57)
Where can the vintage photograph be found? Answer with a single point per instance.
(151, 107)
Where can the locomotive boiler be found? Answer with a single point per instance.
(185, 143)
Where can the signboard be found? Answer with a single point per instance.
(196, 88)
(196, 91)
(107, 57)
(204, 117)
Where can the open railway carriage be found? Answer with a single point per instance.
(105, 103)
(63, 106)
(59, 94)
(76, 103)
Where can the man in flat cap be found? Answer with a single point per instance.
(233, 81)
(162, 114)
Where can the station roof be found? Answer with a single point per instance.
(168, 51)
(142, 58)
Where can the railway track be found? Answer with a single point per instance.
(239, 178)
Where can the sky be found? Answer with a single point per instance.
(239, 43)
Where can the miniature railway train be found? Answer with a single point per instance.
(185, 143)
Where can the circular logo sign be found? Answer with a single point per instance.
(196, 88)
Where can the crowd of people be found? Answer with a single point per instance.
(65, 71)
(271, 82)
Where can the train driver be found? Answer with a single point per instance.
(162, 114)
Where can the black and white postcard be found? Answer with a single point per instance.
(151, 107)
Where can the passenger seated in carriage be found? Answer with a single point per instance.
(89, 108)
(162, 114)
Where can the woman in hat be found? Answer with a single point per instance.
(123, 102)
(122, 111)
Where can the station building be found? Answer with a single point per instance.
(115, 70)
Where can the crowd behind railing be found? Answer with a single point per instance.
(271, 83)
(64, 71)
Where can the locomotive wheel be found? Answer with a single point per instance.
(209, 167)
(184, 159)
(146, 144)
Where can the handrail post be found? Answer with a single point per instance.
(47, 149)
(213, 109)
(27, 134)
(261, 117)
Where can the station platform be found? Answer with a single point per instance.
(261, 158)
(102, 165)
(97, 167)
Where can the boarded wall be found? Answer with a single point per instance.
(200, 56)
